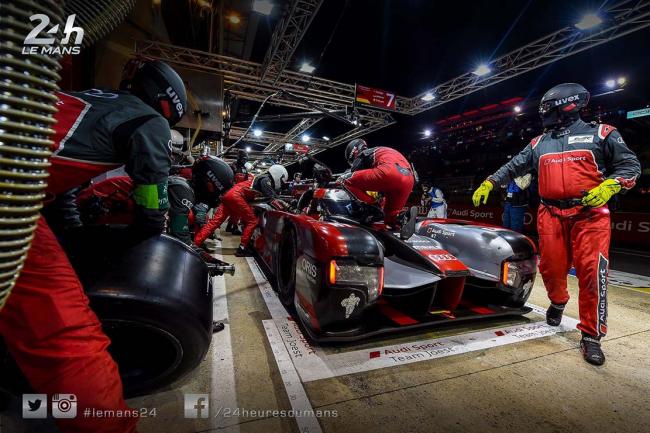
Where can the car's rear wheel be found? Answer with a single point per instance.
(286, 264)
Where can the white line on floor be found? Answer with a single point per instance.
(312, 363)
(295, 391)
(223, 392)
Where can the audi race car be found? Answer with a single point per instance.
(349, 277)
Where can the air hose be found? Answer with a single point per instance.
(27, 107)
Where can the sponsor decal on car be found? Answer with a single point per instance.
(310, 269)
(350, 303)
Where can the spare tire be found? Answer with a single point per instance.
(154, 299)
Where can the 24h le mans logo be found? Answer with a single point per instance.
(35, 44)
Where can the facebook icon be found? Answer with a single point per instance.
(197, 406)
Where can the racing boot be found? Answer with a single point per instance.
(407, 221)
(243, 251)
(554, 314)
(591, 351)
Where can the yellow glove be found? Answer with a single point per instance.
(482, 192)
(600, 195)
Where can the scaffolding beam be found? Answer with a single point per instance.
(287, 35)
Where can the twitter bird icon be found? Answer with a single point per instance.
(34, 405)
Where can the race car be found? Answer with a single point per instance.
(349, 277)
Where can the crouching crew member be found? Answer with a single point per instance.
(580, 166)
(47, 325)
(383, 170)
(236, 204)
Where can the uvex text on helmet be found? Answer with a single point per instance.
(353, 149)
(158, 85)
(562, 104)
(211, 178)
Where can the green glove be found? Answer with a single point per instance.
(600, 195)
(482, 192)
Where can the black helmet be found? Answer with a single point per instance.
(211, 178)
(158, 85)
(355, 147)
(561, 105)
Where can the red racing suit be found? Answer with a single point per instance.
(384, 170)
(48, 327)
(234, 204)
(568, 163)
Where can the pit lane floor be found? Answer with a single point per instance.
(535, 385)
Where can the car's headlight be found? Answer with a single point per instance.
(514, 273)
(350, 273)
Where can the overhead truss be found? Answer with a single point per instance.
(254, 81)
(288, 33)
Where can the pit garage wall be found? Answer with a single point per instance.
(630, 229)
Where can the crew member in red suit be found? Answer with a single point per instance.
(47, 325)
(580, 166)
(383, 170)
(235, 204)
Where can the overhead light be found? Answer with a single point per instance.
(481, 70)
(306, 138)
(234, 18)
(307, 68)
(263, 7)
(248, 148)
(621, 81)
(610, 83)
(428, 97)
(427, 133)
(257, 132)
(588, 21)
(517, 109)
(326, 138)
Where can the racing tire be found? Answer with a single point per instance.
(159, 322)
(286, 267)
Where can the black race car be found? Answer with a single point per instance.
(349, 277)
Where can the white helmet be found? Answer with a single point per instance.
(279, 175)
(177, 141)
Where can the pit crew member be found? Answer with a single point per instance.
(48, 327)
(579, 166)
(236, 204)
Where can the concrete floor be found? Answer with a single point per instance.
(541, 385)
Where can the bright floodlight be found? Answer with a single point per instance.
(248, 149)
(517, 109)
(326, 138)
(610, 84)
(263, 7)
(621, 81)
(482, 69)
(428, 97)
(234, 18)
(307, 68)
(588, 21)
(305, 138)
(427, 133)
(257, 132)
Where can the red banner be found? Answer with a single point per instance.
(375, 97)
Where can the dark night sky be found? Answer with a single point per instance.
(407, 46)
